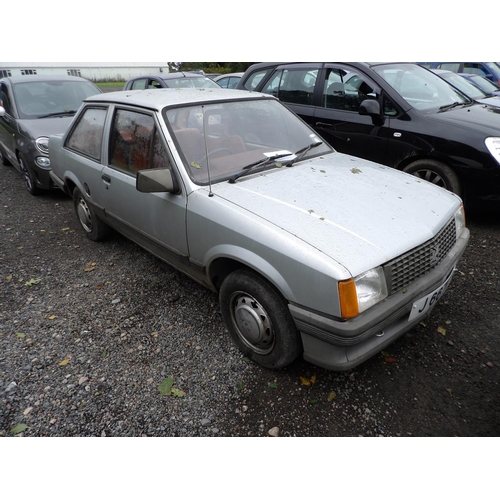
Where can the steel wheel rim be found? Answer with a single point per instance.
(84, 214)
(430, 176)
(26, 175)
(252, 323)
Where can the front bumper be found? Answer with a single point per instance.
(341, 345)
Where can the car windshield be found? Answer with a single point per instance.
(217, 141)
(40, 99)
(180, 83)
(463, 85)
(420, 87)
(484, 84)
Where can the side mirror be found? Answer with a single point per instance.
(2, 111)
(371, 107)
(158, 180)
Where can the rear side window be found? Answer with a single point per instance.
(136, 143)
(86, 137)
(295, 86)
(254, 79)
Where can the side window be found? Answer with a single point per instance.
(135, 143)
(86, 137)
(139, 84)
(297, 85)
(475, 69)
(223, 82)
(345, 90)
(450, 66)
(154, 84)
(254, 79)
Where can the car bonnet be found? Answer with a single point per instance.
(44, 126)
(359, 213)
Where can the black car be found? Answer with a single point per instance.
(33, 107)
(181, 79)
(399, 114)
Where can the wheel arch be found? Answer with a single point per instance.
(230, 258)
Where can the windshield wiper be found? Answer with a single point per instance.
(60, 113)
(259, 163)
(302, 152)
(451, 106)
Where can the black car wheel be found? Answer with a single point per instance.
(258, 320)
(94, 227)
(28, 177)
(437, 173)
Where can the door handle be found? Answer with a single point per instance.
(323, 124)
(106, 178)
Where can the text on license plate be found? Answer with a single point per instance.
(425, 304)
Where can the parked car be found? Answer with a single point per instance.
(311, 251)
(468, 88)
(229, 80)
(490, 70)
(31, 108)
(482, 83)
(399, 114)
(182, 79)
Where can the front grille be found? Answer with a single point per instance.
(410, 266)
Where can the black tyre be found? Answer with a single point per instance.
(28, 177)
(93, 226)
(258, 320)
(437, 173)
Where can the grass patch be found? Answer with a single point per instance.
(110, 84)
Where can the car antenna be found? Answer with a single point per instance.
(210, 194)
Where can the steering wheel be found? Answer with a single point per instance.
(210, 153)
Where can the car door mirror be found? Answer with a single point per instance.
(2, 111)
(158, 180)
(371, 107)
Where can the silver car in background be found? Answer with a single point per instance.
(33, 107)
(311, 251)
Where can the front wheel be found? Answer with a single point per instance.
(28, 177)
(258, 320)
(94, 227)
(437, 173)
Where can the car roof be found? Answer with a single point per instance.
(44, 78)
(170, 76)
(159, 98)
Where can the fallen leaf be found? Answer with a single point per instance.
(272, 385)
(89, 269)
(65, 361)
(305, 381)
(9, 277)
(32, 282)
(177, 393)
(52, 317)
(441, 330)
(332, 396)
(388, 359)
(165, 387)
(355, 170)
(20, 335)
(19, 428)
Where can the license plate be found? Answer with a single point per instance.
(425, 304)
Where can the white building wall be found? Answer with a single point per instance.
(91, 71)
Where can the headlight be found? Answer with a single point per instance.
(460, 220)
(493, 145)
(361, 293)
(42, 144)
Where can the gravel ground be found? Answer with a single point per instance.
(92, 333)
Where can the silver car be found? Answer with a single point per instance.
(311, 251)
(33, 107)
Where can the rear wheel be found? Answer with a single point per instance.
(94, 227)
(437, 173)
(258, 320)
(28, 177)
